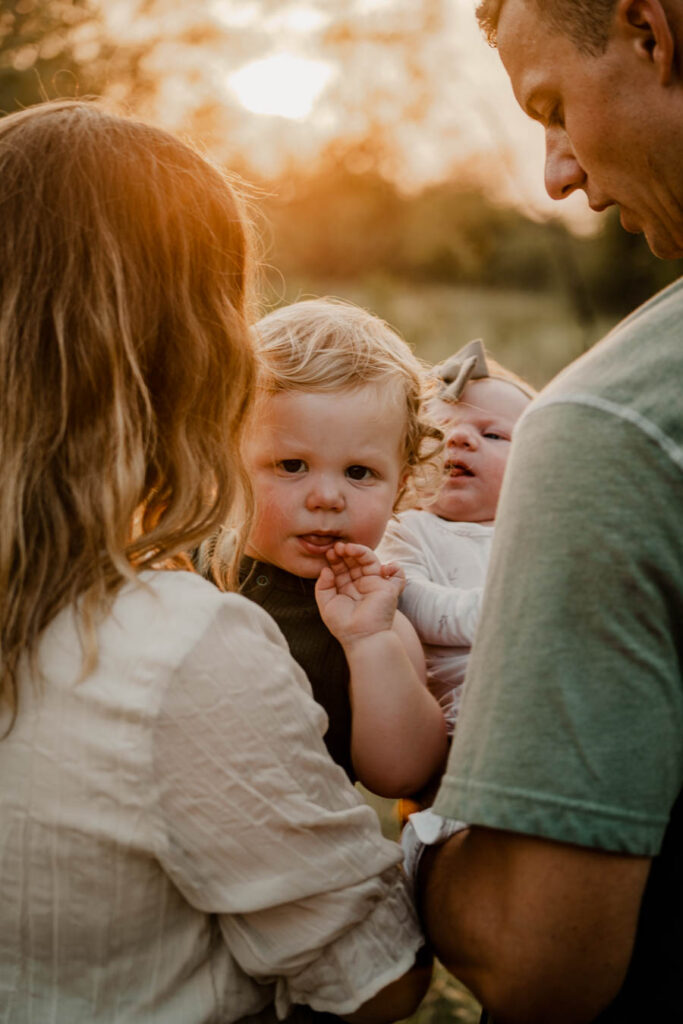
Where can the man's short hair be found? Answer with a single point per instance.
(585, 22)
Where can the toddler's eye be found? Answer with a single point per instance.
(359, 473)
(292, 465)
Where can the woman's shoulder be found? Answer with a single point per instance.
(222, 642)
(176, 610)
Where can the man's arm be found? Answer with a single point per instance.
(542, 932)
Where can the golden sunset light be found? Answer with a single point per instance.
(282, 85)
(280, 281)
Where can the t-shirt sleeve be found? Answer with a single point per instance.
(441, 615)
(259, 827)
(573, 708)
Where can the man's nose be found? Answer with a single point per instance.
(325, 493)
(563, 172)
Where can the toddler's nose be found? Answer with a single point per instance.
(324, 493)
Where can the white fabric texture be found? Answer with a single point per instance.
(445, 565)
(423, 829)
(176, 843)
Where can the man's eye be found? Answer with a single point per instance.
(292, 465)
(359, 473)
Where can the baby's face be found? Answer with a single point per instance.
(324, 467)
(478, 431)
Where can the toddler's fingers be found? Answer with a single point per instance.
(326, 580)
(348, 549)
(359, 558)
(333, 556)
(394, 572)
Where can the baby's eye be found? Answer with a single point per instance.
(292, 466)
(359, 473)
(494, 435)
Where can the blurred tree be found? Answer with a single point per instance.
(47, 49)
(349, 207)
(334, 221)
(620, 269)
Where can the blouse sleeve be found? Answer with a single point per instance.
(260, 827)
(442, 615)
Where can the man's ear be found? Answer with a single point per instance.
(646, 24)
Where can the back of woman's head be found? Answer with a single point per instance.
(125, 360)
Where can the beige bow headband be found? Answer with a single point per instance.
(466, 365)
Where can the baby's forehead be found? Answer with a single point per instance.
(480, 399)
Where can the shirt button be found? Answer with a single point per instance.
(262, 581)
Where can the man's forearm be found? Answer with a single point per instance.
(541, 932)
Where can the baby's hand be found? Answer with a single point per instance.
(356, 594)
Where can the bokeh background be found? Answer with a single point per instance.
(385, 160)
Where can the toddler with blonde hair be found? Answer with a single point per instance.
(337, 438)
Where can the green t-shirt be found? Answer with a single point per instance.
(572, 720)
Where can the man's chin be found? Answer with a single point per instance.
(664, 248)
(661, 242)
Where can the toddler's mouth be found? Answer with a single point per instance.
(319, 541)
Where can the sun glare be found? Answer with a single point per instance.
(282, 85)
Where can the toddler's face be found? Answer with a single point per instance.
(324, 467)
(478, 431)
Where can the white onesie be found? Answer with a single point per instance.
(445, 565)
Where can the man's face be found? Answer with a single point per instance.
(611, 127)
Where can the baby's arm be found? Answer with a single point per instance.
(398, 733)
(442, 614)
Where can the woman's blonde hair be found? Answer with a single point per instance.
(126, 365)
(332, 345)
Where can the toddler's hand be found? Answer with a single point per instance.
(356, 594)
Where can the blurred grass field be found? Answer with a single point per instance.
(533, 333)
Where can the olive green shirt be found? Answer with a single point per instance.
(572, 720)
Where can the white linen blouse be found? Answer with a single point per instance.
(176, 844)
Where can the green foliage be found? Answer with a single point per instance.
(351, 226)
(446, 1002)
(46, 49)
(619, 269)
